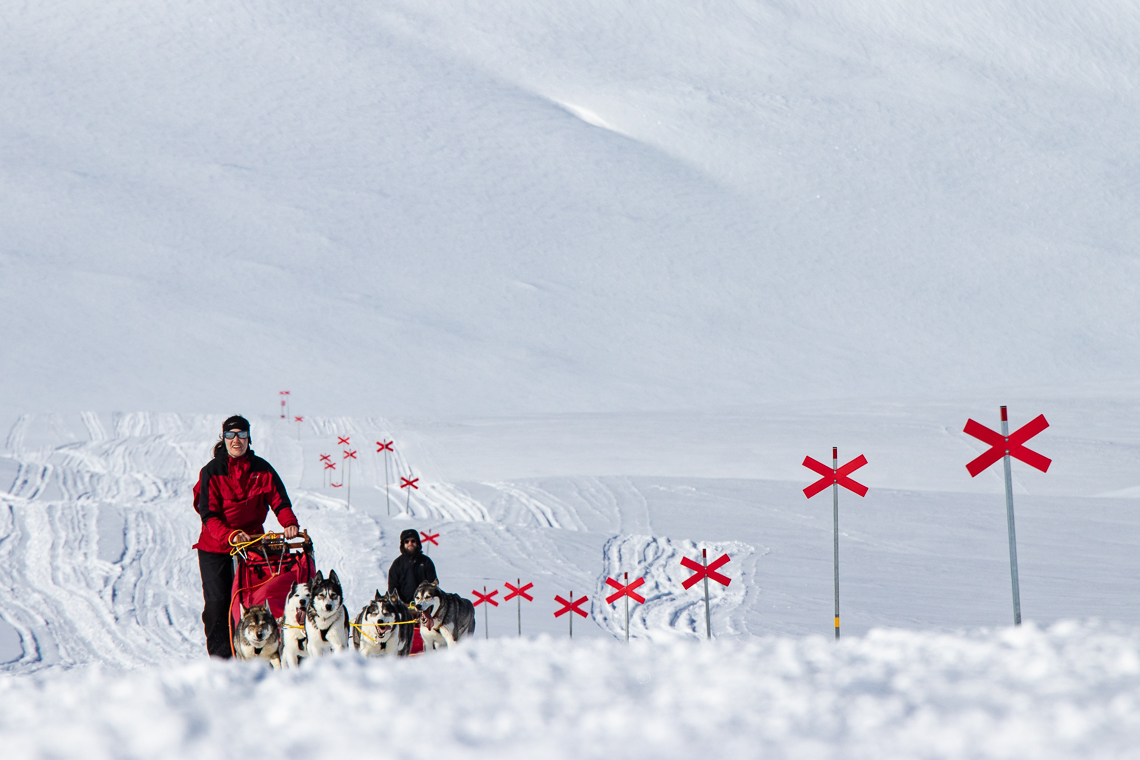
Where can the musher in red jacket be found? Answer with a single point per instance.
(234, 494)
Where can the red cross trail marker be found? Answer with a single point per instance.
(342, 441)
(490, 600)
(571, 606)
(298, 420)
(410, 484)
(430, 538)
(835, 476)
(330, 465)
(1004, 445)
(704, 571)
(347, 455)
(284, 403)
(326, 458)
(628, 592)
(1001, 445)
(385, 446)
(519, 591)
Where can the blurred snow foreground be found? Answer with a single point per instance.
(1070, 690)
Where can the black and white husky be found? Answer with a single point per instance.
(326, 623)
(444, 618)
(384, 627)
(292, 624)
(256, 636)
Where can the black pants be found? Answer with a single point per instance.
(217, 585)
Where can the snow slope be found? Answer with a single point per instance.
(606, 272)
(431, 209)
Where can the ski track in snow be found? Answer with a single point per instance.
(670, 611)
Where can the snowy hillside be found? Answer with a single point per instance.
(426, 209)
(605, 272)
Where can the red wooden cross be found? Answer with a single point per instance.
(326, 458)
(430, 537)
(386, 446)
(405, 483)
(349, 454)
(342, 441)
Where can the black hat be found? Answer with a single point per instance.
(409, 533)
(237, 422)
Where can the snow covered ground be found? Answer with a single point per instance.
(605, 272)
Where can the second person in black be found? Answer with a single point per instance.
(411, 568)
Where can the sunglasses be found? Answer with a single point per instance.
(229, 434)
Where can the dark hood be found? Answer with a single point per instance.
(410, 533)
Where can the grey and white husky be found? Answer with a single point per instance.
(326, 622)
(292, 624)
(444, 618)
(384, 627)
(256, 636)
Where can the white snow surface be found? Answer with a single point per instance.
(605, 272)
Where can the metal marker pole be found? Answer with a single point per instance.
(518, 598)
(571, 615)
(486, 628)
(348, 493)
(408, 506)
(1009, 522)
(387, 500)
(708, 618)
(835, 516)
(627, 609)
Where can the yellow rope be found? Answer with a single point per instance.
(365, 635)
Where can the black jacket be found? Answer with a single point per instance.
(408, 571)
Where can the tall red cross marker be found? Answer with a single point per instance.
(330, 465)
(429, 538)
(1012, 444)
(1005, 445)
(349, 454)
(385, 446)
(835, 476)
(701, 571)
(326, 458)
(627, 590)
(571, 606)
(342, 441)
(704, 571)
(410, 484)
(298, 419)
(485, 597)
(518, 592)
(490, 600)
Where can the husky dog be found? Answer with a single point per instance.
(256, 636)
(384, 627)
(326, 622)
(292, 625)
(444, 618)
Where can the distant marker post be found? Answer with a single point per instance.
(835, 476)
(409, 483)
(386, 447)
(1003, 447)
(519, 591)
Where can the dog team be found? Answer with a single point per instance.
(315, 621)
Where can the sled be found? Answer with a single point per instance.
(265, 570)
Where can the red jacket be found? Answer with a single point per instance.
(236, 494)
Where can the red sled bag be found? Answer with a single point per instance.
(267, 571)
